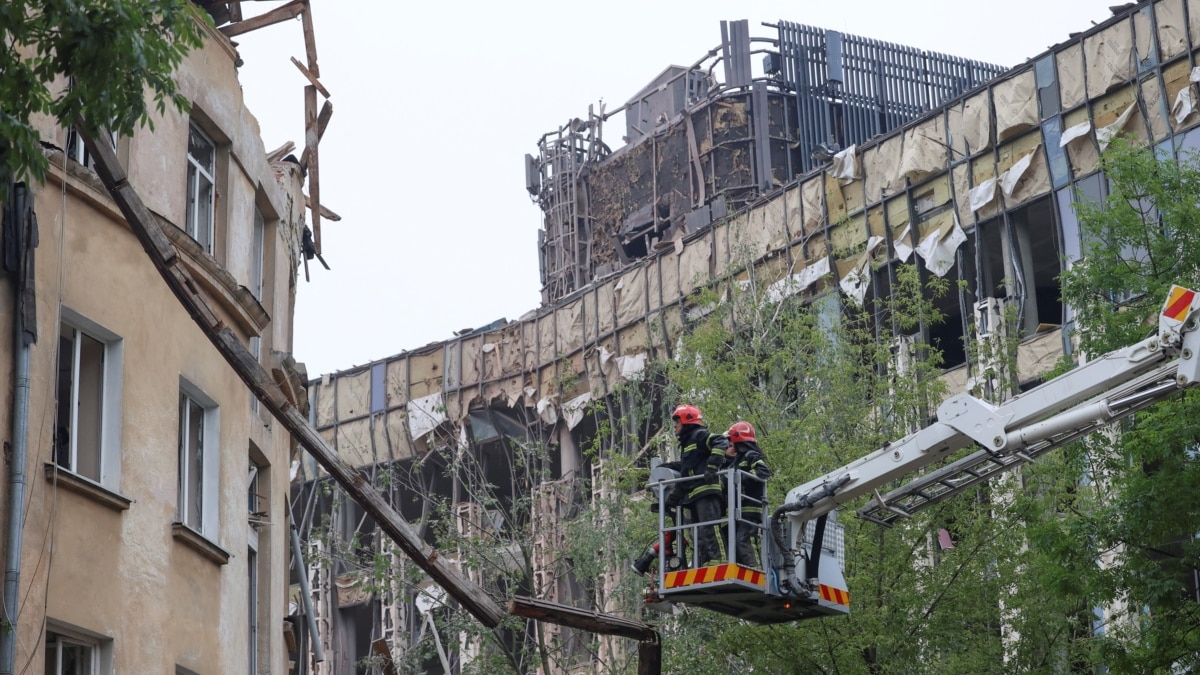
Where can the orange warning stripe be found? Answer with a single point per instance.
(706, 575)
(1179, 303)
(835, 595)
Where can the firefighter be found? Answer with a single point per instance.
(745, 455)
(702, 454)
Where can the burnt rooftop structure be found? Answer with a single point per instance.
(706, 140)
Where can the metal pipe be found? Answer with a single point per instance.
(306, 596)
(16, 477)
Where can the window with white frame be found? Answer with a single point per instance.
(74, 653)
(252, 602)
(201, 188)
(257, 503)
(88, 391)
(198, 455)
(77, 149)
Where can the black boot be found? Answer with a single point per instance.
(642, 564)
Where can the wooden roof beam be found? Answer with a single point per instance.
(322, 122)
(162, 253)
(277, 15)
(310, 146)
(325, 212)
(312, 78)
(310, 42)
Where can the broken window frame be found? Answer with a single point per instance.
(90, 360)
(200, 218)
(77, 150)
(196, 507)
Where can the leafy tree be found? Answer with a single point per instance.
(821, 389)
(1144, 513)
(112, 51)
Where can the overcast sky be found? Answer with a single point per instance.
(437, 103)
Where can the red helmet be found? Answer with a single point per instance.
(741, 431)
(687, 414)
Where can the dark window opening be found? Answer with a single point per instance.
(1037, 245)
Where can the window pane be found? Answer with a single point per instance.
(200, 150)
(1059, 171)
(65, 396)
(256, 255)
(1070, 225)
(1046, 76)
(195, 467)
(204, 213)
(91, 404)
(193, 176)
(76, 659)
(252, 604)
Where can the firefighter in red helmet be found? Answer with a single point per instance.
(744, 455)
(702, 454)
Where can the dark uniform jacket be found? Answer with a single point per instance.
(702, 453)
(751, 460)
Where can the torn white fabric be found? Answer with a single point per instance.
(857, 280)
(1078, 131)
(529, 392)
(796, 283)
(1010, 178)
(488, 347)
(939, 246)
(1105, 135)
(844, 167)
(547, 411)
(785, 287)
(574, 409)
(425, 414)
(1185, 104)
(904, 250)
(810, 274)
(605, 355)
(982, 194)
(855, 283)
(631, 366)
(1195, 75)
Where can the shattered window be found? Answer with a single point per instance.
(77, 150)
(1060, 172)
(201, 192)
(1045, 72)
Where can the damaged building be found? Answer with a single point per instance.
(825, 160)
(147, 488)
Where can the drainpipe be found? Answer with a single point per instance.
(306, 596)
(16, 478)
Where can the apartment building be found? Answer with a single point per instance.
(153, 527)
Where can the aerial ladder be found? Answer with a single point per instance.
(802, 546)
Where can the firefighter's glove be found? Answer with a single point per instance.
(674, 497)
(710, 475)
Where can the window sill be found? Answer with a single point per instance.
(199, 543)
(69, 480)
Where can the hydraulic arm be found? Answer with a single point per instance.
(803, 553)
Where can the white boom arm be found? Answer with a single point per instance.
(1014, 432)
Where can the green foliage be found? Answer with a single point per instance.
(1140, 521)
(112, 50)
(1137, 242)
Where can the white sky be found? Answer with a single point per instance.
(437, 103)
